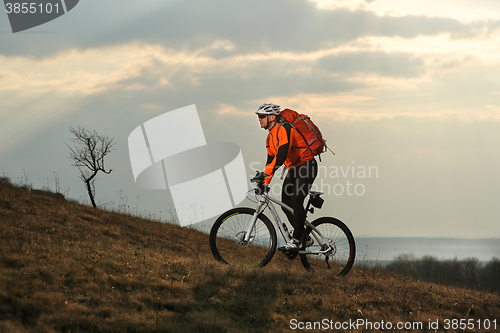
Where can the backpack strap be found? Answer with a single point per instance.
(303, 137)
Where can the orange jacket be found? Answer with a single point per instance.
(284, 146)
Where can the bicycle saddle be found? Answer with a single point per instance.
(315, 193)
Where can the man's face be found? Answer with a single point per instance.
(264, 120)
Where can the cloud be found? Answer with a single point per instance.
(461, 10)
(384, 73)
(98, 70)
(283, 25)
(226, 109)
(412, 66)
(342, 4)
(387, 64)
(246, 27)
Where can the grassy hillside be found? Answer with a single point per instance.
(65, 267)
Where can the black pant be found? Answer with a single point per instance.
(296, 187)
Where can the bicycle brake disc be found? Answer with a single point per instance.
(240, 239)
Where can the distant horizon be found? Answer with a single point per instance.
(424, 237)
(388, 248)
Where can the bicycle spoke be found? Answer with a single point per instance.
(227, 239)
(340, 242)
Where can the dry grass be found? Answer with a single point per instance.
(65, 267)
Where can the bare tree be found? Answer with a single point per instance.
(88, 155)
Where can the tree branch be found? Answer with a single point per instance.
(88, 153)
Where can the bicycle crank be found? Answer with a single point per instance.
(290, 254)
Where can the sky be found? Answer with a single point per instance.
(406, 93)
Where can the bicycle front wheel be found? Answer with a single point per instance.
(227, 239)
(339, 250)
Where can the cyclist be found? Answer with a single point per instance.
(284, 146)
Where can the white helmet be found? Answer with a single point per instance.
(269, 109)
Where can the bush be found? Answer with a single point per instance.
(467, 273)
(4, 180)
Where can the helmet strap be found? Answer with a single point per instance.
(275, 122)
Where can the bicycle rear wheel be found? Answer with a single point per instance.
(227, 239)
(340, 258)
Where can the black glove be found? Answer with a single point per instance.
(259, 177)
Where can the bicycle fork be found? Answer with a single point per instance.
(251, 225)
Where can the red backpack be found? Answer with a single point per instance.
(309, 132)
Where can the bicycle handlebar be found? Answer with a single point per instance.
(259, 179)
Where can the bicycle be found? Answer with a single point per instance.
(245, 237)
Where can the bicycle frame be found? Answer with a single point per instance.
(267, 201)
